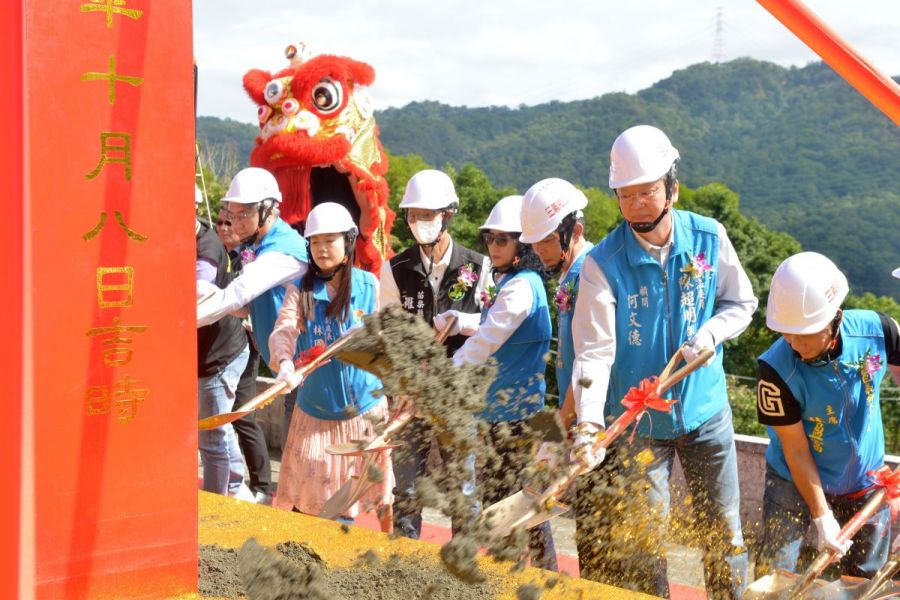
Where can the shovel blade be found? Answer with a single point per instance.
(339, 502)
(502, 516)
(778, 586)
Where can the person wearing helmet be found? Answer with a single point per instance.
(818, 392)
(337, 403)
(664, 280)
(515, 331)
(434, 276)
(553, 224)
(222, 354)
(273, 255)
(251, 437)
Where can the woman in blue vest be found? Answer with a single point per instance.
(337, 403)
(515, 332)
(818, 391)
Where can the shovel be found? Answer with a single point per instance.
(282, 387)
(358, 485)
(782, 584)
(529, 508)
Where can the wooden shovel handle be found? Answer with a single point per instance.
(850, 529)
(621, 424)
(444, 333)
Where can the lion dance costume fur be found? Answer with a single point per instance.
(317, 135)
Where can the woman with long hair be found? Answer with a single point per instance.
(337, 403)
(515, 332)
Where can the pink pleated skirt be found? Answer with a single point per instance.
(310, 476)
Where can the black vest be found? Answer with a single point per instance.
(219, 343)
(415, 291)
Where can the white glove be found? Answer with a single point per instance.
(584, 451)
(286, 374)
(828, 529)
(694, 346)
(466, 323)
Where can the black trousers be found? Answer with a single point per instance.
(250, 435)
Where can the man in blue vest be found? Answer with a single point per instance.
(553, 224)
(273, 254)
(662, 280)
(818, 391)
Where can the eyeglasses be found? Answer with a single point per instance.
(501, 239)
(643, 196)
(220, 223)
(243, 215)
(424, 215)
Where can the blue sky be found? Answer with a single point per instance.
(479, 53)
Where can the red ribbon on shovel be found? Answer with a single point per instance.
(888, 480)
(307, 356)
(645, 396)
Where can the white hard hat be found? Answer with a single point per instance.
(252, 185)
(807, 291)
(641, 154)
(429, 189)
(328, 217)
(545, 205)
(505, 216)
(198, 195)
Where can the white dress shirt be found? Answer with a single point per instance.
(594, 320)
(511, 307)
(268, 270)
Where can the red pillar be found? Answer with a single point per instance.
(11, 305)
(104, 219)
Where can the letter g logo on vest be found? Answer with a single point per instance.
(768, 399)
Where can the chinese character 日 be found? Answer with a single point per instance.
(110, 287)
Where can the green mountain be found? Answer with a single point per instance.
(804, 151)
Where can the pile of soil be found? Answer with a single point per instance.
(295, 570)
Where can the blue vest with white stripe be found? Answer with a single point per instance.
(336, 385)
(841, 420)
(517, 391)
(565, 356)
(264, 308)
(657, 310)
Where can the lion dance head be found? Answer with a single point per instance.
(317, 135)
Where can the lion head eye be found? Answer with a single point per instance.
(327, 96)
(274, 92)
(290, 106)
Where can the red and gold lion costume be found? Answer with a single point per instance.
(317, 135)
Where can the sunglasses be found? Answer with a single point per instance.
(225, 223)
(501, 239)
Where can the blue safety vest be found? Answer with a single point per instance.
(657, 310)
(841, 413)
(333, 387)
(517, 391)
(565, 352)
(264, 308)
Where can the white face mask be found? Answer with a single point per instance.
(426, 232)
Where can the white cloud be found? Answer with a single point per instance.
(477, 53)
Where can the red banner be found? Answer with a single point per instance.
(109, 138)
